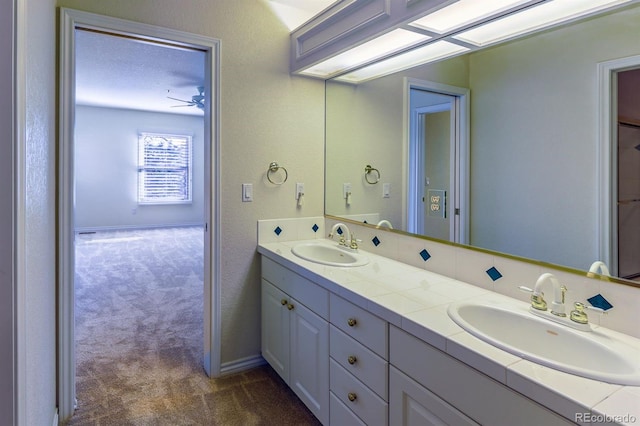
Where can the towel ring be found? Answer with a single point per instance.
(273, 168)
(367, 171)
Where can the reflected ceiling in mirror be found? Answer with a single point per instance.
(533, 140)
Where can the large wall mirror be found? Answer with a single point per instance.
(524, 179)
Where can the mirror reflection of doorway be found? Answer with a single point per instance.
(628, 171)
(437, 162)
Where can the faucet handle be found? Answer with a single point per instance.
(537, 300)
(354, 242)
(580, 316)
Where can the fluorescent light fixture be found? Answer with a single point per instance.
(534, 18)
(429, 53)
(462, 13)
(379, 47)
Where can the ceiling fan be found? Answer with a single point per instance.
(196, 100)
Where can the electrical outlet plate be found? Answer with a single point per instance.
(437, 200)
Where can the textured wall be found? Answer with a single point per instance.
(6, 213)
(38, 333)
(266, 115)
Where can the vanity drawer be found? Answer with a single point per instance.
(304, 291)
(340, 415)
(363, 326)
(368, 406)
(359, 361)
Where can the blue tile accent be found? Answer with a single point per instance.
(339, 231)
(637, 147)
(598, 301)
(315, 227)
(376, 242)
(493, 273)
(278, 230)
(425, 255)
(368, 222)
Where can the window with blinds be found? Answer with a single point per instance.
(164, 169)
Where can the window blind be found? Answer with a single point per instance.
(164, 169)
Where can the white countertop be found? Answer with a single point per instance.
(416, 301)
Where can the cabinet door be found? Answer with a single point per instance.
(275, 329)
(309, 374)
(411, 404)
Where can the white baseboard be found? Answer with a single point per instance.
(134, 227)
(241, 365)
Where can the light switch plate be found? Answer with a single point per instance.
(299, 190)
(386, 190)
(247, 192)
(346, 188)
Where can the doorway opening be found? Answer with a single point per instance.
(437, 160)
(628, 174)
(100, 192)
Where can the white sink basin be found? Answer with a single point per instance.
(328, 254)
(514, 329)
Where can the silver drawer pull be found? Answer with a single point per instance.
(352, 359)
(352, 396)
(352, 322)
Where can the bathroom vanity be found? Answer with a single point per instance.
(357, 350)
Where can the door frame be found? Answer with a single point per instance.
(607, 163)
(459, 155)
(415, 220)
(69, 20)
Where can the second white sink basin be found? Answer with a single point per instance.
(326, 254)
(514, 329)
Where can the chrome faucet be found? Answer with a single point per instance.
(537, 298)
(349, 240)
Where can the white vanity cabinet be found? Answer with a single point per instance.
(352, 367)
(295, 334)
(428, 386)
(358, 366)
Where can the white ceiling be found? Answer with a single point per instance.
(120, 72)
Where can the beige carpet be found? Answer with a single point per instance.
(139, 340)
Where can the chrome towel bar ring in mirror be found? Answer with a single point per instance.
(273, 168)
(368, 170)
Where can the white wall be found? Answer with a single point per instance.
(36, 228)
(266, 115)
(106, 155)
(7, 280)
